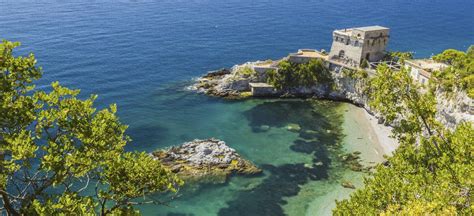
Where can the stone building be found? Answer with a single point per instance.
(352, 46)
(421, 69)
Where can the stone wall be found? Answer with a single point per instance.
(359, 43)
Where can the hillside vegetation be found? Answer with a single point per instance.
(293, 75)
(432, 172)
(459, 76)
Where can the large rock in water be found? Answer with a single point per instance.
(209, 160)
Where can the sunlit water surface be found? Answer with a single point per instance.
(142, 54)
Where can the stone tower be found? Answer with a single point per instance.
(351, 46)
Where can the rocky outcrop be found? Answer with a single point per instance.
(230, 83)
(454, 108)
(209, 160)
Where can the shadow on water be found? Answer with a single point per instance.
(320, 130)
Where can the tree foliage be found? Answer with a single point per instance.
(60, 155)
(399, 56)
(460, 73)
(291, 75)
(432, 172)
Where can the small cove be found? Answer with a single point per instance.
(302, 170)
(138, 54)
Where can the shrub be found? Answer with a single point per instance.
(290, 75)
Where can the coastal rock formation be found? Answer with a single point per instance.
(348, 184)
(230, 83)
(233, 84)
(209, 160)
(454, 108)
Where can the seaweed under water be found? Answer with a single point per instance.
(319, 129)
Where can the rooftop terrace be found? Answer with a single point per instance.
(426, 64)
(371, 28)
(310, 53)
(348, 32)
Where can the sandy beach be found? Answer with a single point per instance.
(365, 135)
(377, 137)
(386, 143)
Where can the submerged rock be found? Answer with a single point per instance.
(293, 127)
(352, 160)
(348, 184)
(209, 160)
(264, 127)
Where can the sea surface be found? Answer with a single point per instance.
(141, 54)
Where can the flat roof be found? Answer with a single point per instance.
(308, 53)
(264, 64)
(426, 64)
(348, 31)
(260, 85)
(371, 28)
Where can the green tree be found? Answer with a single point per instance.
(291, 75)
(432, 172)
(400, 56)
(60, 155)
(460, 73)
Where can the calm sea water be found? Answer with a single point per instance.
(141, 54)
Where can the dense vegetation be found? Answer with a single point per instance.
(398, 56)
(432, 172)
(291, 75)
(459, 76)
(59, 155)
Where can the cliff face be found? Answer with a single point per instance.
(455, 108)
(451, 109)
(233, 84)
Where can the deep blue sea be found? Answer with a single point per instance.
(141, 54)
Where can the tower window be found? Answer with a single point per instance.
(341, 54)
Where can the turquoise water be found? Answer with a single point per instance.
(289, 159)
(142, 54)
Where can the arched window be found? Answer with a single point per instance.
(356, 43)
(341, 54)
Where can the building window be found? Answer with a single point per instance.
(341, 54)
(356, 43)
(348, 41)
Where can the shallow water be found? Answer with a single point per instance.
(141, 54)
(258, 130)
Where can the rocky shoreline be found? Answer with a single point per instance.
(208, 161)
(234, 84)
